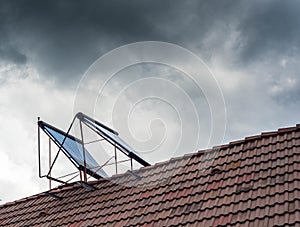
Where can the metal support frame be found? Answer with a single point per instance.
(94, 141)
(49, 162)
(105, 164)
(120, 147)
(48, 175)
(83, 150)
(39, 149)
(116, 160)
(83, 171)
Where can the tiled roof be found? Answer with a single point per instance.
(251, 182)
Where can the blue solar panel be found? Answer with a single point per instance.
(112, 136)
(74, 149)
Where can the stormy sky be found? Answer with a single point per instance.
(251, 48)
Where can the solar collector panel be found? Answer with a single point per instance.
(113, 136)
(73, 147)
(76, 151)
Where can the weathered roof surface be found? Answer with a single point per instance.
(252, 182)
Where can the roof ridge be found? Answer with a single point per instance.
(214, 148)
(258, 136)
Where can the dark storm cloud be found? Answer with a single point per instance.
(9, 52)
(270, 26)
(62, 38)
(12, 54)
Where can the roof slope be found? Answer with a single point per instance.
(252, 182)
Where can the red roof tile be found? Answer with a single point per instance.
(250, 182)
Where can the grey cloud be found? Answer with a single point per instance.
(269, 26)
(12, 54)
(62, 38)
(286, 90)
